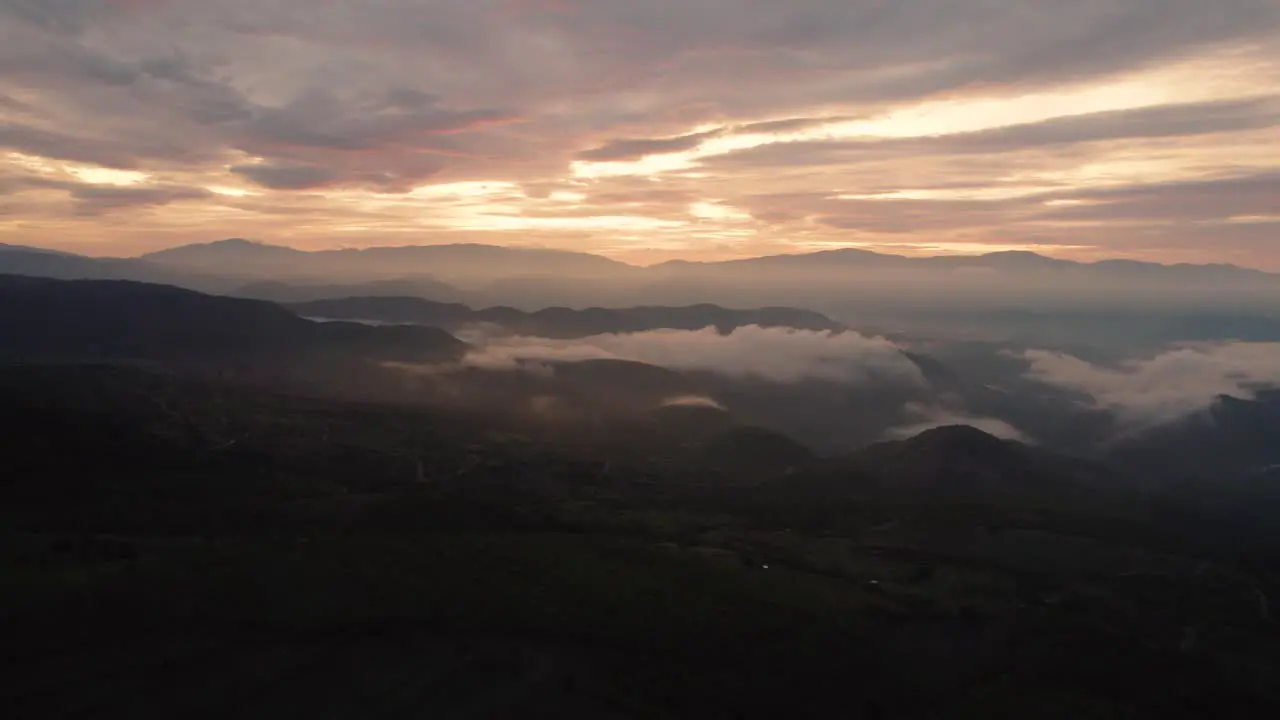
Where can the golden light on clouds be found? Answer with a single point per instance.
(1068, 129)
(593, 222)
(230, 191)
(96, 175)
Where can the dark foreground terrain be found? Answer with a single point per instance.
(214, 508)
(178, 547)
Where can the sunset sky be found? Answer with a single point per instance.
(647, 129)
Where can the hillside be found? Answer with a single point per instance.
(37, 262)
(175, 545)
(560, 323)
(102, 320)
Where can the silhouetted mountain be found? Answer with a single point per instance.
(960, 466)
(458, 262)
(121, 320)
(236, 250)
(826, 258)
(245, 257)
(1012, 261)
(7, 247)
(36, 262)
(563, 323)
(946, 296)
(16, 260)
(283, 292)
(949, 454)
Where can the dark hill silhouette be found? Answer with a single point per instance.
(471, 262)
(558, 322)
(290, 552)
(960, 459)
(119, 320)
(960, 471)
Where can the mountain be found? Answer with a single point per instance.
(468, 263)
(37, 262)
(116, 321)
(875, 289)
(285, 292)
(6, 247)
(953, 459)
(1007, 261)
(559, 322)
(104, 320)
(843, 256)
(231, 250)
(969, 476)
(955, 294)
(476, 263)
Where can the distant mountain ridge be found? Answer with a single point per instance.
(560, 322)
(240, 250)
(286, 274)
(1005, 259)
(467, 261)
(39, 262)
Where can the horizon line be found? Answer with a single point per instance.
(674, 261)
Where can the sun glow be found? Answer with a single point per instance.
(602, 222)
(1195, 81)
(92, 174)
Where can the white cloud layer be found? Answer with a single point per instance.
(1177, 383)
(774, 354)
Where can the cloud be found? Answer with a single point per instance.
(1218, 198)
(383, 96)
(285, 177)
(632, 148)
(772, 354)
(36, 142)
(93, 199)
(1174, 120)
(96, 199)
(928, 417)
(1147, 392)
(789, 124)
(701, 401)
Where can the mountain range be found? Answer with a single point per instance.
(560, 322)
(243, 256)
(1043, 301)
(408, 354)
(466, 263)
(470, 263)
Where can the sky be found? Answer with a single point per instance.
(647, 130)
